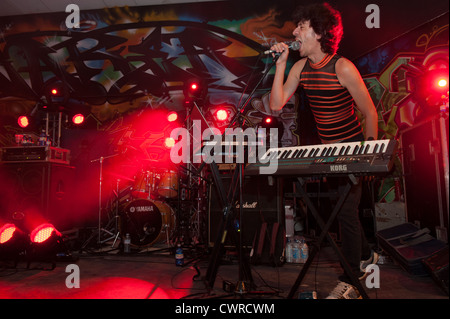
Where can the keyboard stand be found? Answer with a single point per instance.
(325, 227)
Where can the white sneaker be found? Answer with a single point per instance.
(373, 259)
(344, 290)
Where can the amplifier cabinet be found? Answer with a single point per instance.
(45, 188)
(262, 202)
(425, 171)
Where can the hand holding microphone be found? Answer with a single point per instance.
(280, 47)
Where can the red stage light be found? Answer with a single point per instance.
(169, 142)
(23, 121)
(54, 91)
(172, 116)
(78, 119)
(222, 115)
(442, 83)
(6, 232)
(42, 233)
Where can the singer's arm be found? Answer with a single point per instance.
(281, 93)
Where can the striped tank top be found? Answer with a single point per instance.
(331, 104)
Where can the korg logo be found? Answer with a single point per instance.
(338, 168)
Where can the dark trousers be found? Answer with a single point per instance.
(354, 243)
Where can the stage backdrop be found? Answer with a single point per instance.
(125, 61)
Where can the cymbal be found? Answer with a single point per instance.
(119, 176)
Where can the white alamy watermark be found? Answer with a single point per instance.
(73, 280)
(373, 278)
(234, 146)
(373, 19)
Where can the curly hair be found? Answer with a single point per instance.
(325, 21)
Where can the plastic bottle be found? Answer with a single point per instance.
(296, 251)
(127, 243)
(179, 256)
(42, 138)
(289, 258)
(304, 251)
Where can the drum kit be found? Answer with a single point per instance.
(151, 208)
(144, 210)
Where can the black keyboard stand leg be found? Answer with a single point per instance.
(325, 227)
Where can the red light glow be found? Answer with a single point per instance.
(42, 233)
(78, 119)
(268, 120)
(194, 86)
(221, 115)
(169, 142)
(6, 232)
(23, 121)
(54, 91)
(172, 116)
(442, 83)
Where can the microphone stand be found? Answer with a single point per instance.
(245, 277)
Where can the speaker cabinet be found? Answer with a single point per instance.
(425, 171)
(262, 201)
(44, 188)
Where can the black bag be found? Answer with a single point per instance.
(269, 245)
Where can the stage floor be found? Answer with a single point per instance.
(151, 273)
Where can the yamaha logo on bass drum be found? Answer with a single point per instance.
(142, 209)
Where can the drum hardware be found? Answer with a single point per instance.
(100, 230)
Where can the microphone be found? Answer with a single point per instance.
(295, 45)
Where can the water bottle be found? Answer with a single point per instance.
(42, 138)
(296, 252)
(289, 258)
(304, 251)
(127, 243)
(179, 256)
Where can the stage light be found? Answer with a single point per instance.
(13, 243)
(78, 119)
(42, 233)
(269, 122)
(169, 142)
(172, 116)
(23, 121)
(194, 89)
(7, 232)
(222, 115)
(442, 83)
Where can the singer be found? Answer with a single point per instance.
(334, 88)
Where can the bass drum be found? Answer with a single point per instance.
(148, 222)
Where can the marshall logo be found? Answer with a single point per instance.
(141, 209)
(247, 205)
(338, 168)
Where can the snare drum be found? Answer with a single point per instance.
(148, 222)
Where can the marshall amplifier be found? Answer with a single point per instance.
(262, 202)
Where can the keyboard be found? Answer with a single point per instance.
(365, 157)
